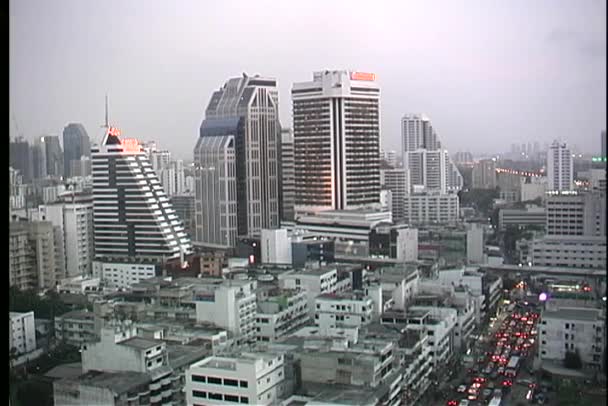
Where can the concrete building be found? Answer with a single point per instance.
(399, 285)
(532, 188)
(22, 261)
(246, 378)
(76, 144)
(475, 243)
(314, 282)
(20, 158)
(336, 119)
(54, 156)
(124, 275)
(389, 157)
(398, 182)
(125, 230)
(159, 159)
(237, 162)
(530, 216)
(231, 305)
(279, 313)
(21, 332)
(76, 328)
(580, 252)
(344, 310)
(172, 177)
(570, 329)
(276, 247)
(75, 222)
(431, 168)
(184, 209)
(560, 168)
(431, 208)
(288, 185)
(484, 174)
(573, 213)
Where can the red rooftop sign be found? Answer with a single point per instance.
(363, 76)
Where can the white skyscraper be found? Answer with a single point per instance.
(133, 218)
(236, 162)
(431, 168)
(560, 167)
(336, 119)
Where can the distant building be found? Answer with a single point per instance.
(475, 243)
(54, 156)
(21, 332)
(279, 313)
(533, 188)
(39, 159)
(568, 251)
(345, 310)
(560, 167)
(76, 328)
(22, 265)
(603, 143)
(484, 174)
(431, 208)
(21, 158)
(172, 178)
(398, 182)
(336, 120)
(530, 216)
(184, 209)
(288, 186)
(276, 247)
(76, 144)
(574, 213)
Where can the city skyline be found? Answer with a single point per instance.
(505, 77)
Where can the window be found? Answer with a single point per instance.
(566, 345)
(217, 396)
(231, 382)
(213, 380)
(244, 399)
(243, 384)
(566, 336)
(199, 394)
(567, 326)
(231, 398)
(198, 378)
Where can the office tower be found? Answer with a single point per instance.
(576, 214)
(80, 167)
(159, 159)
(54, 156)
(39, 159)
(431, 168)
(560, 167)
(397, 181)
(74, 218)
(336, 119)
(237, 162)
(172, 177)
(288, 186)
(184, 208)
(76, 144)
(133, 218)
(603, 142)
(484, 174)
(21, 158)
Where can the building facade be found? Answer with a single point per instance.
(76, 144)
(560, 167)
(484, 174)
(288, 186)
(398, 182)
(431, 208)
(336, 119)
(21, 332)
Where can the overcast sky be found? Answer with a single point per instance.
(488, 73)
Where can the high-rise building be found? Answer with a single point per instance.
(54, 156)
(159, 159)
(172, 177)
(237, 162)
(20, 157)
(336, 119)
(74, 217)
(431, 168)
(484, 174)
(288, 186)
(39, 159)
(389, 157)
(133, 218)
(398, 182)
(76, 144)
(184, 208)
(560, 167)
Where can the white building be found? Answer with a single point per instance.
(159, 159)
(560, 167)
(400, 284)
(21, 332)
(75, 220)
(231, 305)
(533, 188)
(484, 174)
(407, 244)
(123, 275)
(475, 243)
(247, 378)
(431, 208)
(336, 124)
(50, 194)
(572, 329)
(568, 251)
(313, 281)
(279, 313)
(345, 310)
(172, 178)
(275, 247)
(572, 213)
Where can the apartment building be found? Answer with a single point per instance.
(343, 310)
(21, 332)
(280, 312)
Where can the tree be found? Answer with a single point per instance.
(573, 360)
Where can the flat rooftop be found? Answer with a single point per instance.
(141, 343)
(573, 313)
(118, 382)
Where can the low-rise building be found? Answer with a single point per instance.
(530, 216)
(21, 332)
(568, 251)
(314, 281)
(280, 312)
(247, 378)
(344, 310)
(76, 327)
(123, 275)
(570, 329)
(430, 208)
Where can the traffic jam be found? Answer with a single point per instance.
(496, 370)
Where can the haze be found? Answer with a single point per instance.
(487, 73)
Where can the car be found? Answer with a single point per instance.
(479, 379)
(464, 402)
(472, 397)
(461, 389)
(501, 370)
(452, 403)
(486, 393)
(507, 383)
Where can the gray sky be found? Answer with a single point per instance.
(488, 73)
